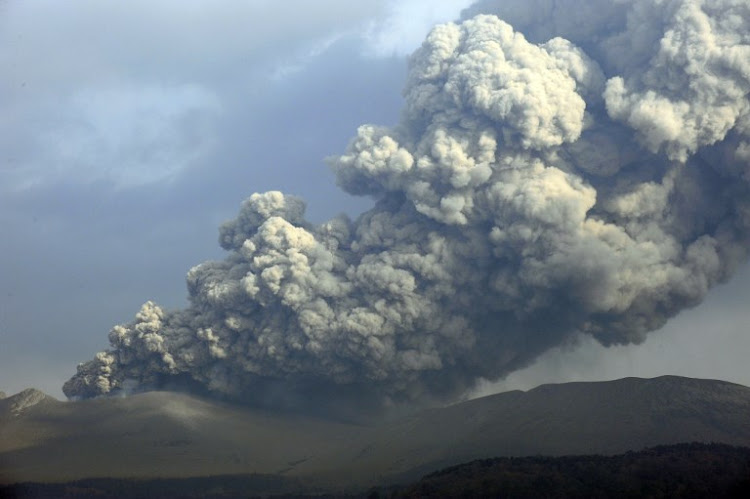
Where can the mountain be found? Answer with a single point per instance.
(564, 419)
(18, 403)
(162, 434)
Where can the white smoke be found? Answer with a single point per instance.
(591, 178)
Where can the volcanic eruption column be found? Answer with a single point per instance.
(590, 177)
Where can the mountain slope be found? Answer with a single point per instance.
(156, 434)
(176, 435)
(18, 403)
(571, 418)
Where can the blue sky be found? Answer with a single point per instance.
(130, 132)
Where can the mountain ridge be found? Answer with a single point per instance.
(17, 403)
(165, 434)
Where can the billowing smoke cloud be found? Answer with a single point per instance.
(590, 177)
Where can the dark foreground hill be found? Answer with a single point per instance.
(170, 435)
(691, 470)
(677, 471)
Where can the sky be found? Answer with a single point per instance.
(129, 133)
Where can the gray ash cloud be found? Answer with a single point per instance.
(560, 167)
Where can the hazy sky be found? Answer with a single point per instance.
(129, 132)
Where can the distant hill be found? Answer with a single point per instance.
(161, 434)
(573, 418)
(21, 401)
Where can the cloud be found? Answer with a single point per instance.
(126, 136)
(404, 23)
(128, 95)
(535, 188)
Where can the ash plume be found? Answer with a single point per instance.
(590, 176)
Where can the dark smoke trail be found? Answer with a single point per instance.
(595, 182)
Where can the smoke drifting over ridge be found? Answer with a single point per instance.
(575, 167)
